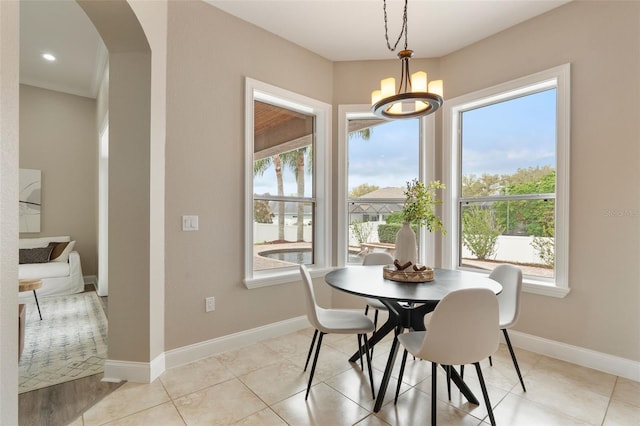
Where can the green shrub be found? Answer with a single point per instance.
(362, 231)
(480, 231)
(387, 232)
(395, 217)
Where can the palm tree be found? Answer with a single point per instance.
(259, 167)
(365, 134)
(295, 160)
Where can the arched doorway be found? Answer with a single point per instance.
(136, 300)
(136, 323)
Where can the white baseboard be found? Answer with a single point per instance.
(576, 355)
(187, 354)
(117, 371)
(138, 372)
(146, 372)
(91, 279)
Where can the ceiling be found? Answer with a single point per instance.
(60, 27)
(339, 30)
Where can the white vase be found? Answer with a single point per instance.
(406, 247)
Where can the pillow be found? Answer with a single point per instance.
(41, 242)
(64, 251)
(35, 255)
(58, 248)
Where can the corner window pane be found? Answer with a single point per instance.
(508, 181)
(382, 157)
(283, 177)
(287, 184)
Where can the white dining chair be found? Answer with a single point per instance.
(510, 277)
(333, 321)
(463, 329)
(376, 258)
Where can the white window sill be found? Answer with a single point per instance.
(283, 277)
(543, 288)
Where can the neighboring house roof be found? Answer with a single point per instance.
(388, 192)
(375, 208)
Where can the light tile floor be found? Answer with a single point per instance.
(264, 384)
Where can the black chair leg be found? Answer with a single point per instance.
(360, 351)
(366, 309)
(375, 320)
(404, 362)
(434, 387)
(513, 357)
(490, 361)
(37, 304)
(366, 349)
(313, 341)
(485, 394)
(462, 372)
(313, 366)
(448, 370)
(375, 327)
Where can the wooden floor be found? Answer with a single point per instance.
(61, 404)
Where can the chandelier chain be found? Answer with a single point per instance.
(404, 29)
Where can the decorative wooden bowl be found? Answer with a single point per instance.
(390, 272)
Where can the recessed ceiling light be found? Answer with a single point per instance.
(48, 57)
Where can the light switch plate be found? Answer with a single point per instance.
(189, 223)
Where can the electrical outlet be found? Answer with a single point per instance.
(210, 304)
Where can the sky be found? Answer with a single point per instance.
(496, 139)
(527, 138)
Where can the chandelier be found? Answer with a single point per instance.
(414, 97)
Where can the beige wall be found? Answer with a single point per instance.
(601, 40)
(209, 54)
(9, 102)
(58, 136)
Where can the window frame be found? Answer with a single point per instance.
(257, 90)
(426, 173)
(558, 77)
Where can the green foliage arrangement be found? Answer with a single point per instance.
(395, 217)
(420, 205)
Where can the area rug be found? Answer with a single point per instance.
(69, 342)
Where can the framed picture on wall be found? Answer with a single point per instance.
(30, 199)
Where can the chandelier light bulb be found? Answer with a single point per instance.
(436, 87)
(419, 81)
(388, 87)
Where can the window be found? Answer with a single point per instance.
(507, 152)
(377, 159)
(287, 184)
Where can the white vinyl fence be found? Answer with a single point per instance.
(509, 248)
